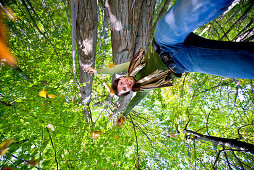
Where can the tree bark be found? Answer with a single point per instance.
(86, 45)
(131, 26)
(244, 146)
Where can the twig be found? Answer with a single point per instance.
(225, 154)
(36, 26)
(216, 160)
(135, 137)
(239, 161)
(239, 20)
(53, 147)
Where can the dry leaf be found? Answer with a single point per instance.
(51, 96)
(116, 136)
(4, 146)
(7, 168)
(110, 90)
(120, 121)
(5, 54)
(173, 135)
(110, 116)
(43, 93)
(50, 126)
(96, 134)
(32, 162)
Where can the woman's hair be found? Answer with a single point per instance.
(114, 87)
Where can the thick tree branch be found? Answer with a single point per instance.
(244, 146)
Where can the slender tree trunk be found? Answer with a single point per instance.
(131, 26)
(247, 147)
(86, 45)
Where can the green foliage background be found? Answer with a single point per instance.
(210, 105)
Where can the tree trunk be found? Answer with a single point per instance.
(131, 26)
(247, 147)
(86, 45)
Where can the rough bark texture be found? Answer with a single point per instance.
(86, 45)
(247, 147)
(131, 26)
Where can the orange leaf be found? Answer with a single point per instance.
(120, 121)
(43, 93)
(51, 96)
(96, 134)
(110, 65)
(5, 54)
(32, 162)
(4, 146)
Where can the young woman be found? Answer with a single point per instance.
(178, 50)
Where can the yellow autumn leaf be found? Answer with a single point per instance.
(96, 134)
(4, 146)
(51, 96)
(32, 162)
(120, 121)
(43, 93)
(110, 65)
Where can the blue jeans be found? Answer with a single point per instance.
(196, 54)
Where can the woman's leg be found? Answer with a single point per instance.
(222, 58)
(184, 17)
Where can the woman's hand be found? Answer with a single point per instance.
(90, 70)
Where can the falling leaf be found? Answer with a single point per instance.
(51, 96)
(110, 90)
(110, 116)
(7, 168)
(50, 126)
(173, 135)
(5, 54)
(120, 121)
(32, 162)
(96, 134)
(43, 93)
(4, 146)
(110, 65)
(116, 136)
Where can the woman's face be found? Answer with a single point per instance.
(125, 85)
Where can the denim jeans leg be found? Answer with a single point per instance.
(233, 63)
(184, 17)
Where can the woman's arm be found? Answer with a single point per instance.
(112, 70)
(135, 101)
